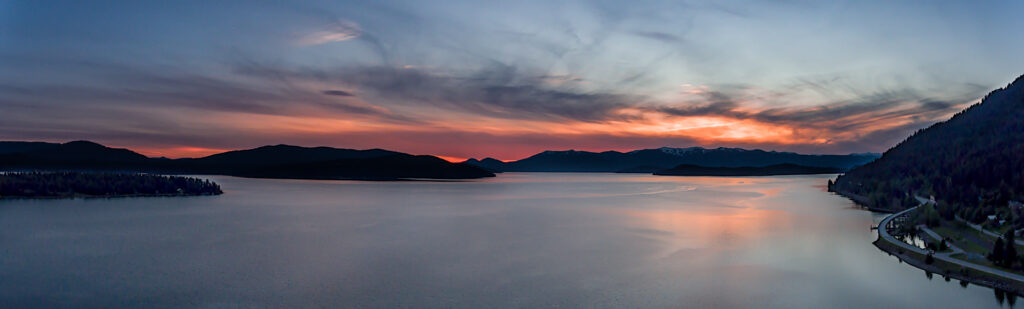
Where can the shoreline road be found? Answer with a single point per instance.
(883, 233)
(936, 236)
(953, 248)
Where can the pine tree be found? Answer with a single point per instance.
(996, 256)
(1010, 252)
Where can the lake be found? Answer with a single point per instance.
(517, 240)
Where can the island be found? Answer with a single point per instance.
(771, 170)
(83, 184)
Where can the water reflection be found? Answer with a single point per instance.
(702, 228)
(518, 240)
(1010, 299)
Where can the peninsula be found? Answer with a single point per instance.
(957, 188)
(76, 184)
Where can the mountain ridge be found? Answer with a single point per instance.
(971, 162)
(650, 160)
(272, 161)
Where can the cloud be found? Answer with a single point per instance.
(506, 92)
(124, 88)
(341, 30)
(339, 93)
(861, 122)
(501, 108)
(734, 101)
(659, 36)
(497, 91)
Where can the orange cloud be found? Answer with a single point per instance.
(455, 135)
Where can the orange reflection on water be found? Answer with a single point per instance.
(691, 230)
(736, 219)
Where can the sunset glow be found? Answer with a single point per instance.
(520, 154)
(473, 82)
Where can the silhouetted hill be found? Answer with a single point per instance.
(391, 166)
(649, 160)
(87, 151)
(287, 154)
(282, 161)
(16, 147)
(771, 170)
(490, 164)
(71, 155)
(246, 161)
(972, 162)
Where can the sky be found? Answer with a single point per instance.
(502, 79)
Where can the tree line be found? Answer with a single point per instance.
(973, 164)
(68, 184)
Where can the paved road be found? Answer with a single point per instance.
(884, 234)
(953, 248)
(938, 237)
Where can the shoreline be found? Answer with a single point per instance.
(861, 201)
(86, 196)
(944, 266)
(945, 269)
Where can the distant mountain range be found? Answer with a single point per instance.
(654, 160)
(972, 163)
(284, 161)
(280, 161)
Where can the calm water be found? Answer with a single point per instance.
(520, 240)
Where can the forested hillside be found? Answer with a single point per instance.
(972, 163)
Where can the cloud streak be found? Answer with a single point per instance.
(341, 30)
(459, 79)
(504, 92)
(125, 88)
(497, 105)
(340, 93)
(499, 91)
